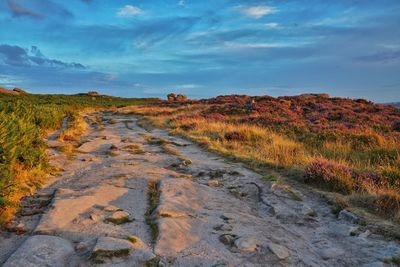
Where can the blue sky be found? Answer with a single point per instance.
(202, 48)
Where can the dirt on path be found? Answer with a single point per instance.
(136, 198)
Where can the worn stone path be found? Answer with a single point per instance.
(137, 198)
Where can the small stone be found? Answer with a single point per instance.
(280, 251)
(365, 234)
(227, 239)
(64, 191)
(94, 217)
(331, 253)
(111, 208)
(81, 247)
(309, 212)
(225, 217)
(214, 183)
(19, 229)
(223, 227)
(354, 231)
(348, 216)
(247, 244)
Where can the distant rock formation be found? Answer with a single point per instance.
(172, 97)
(15, 91)
(93, 93)
(20, 91)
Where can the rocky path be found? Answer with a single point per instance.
(136, 198)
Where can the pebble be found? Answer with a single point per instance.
(227, 239)
(214, 183)
(348, 216)
(331, 253)
(247, 244)
(280, 251)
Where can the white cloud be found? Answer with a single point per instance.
(272, 25)
(188, 86)
(235, 45)
(256, 12)
(129, 11)
(9, 81)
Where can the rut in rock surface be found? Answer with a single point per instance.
(136, 198)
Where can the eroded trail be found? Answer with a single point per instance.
(137, 198)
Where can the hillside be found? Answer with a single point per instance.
(312, 111)
(337, 144)
(128, 195)
(396, 104)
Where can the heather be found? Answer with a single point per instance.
(339, 144)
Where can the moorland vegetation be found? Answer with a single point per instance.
(25, 121)
(347, 146)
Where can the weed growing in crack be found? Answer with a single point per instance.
(153, 198)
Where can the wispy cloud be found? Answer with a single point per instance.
(188, 86)
(236, 45)
(9, 81)
(18, 10)
(129, 11)
(388, 56)
(18, 56)
(272, 25)
(38, 9)
(256, 12)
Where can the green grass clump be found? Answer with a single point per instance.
(118, 221)
(153, 201)
(132, 239)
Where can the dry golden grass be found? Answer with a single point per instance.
(261, 146)
(76, 127)
(27, 182)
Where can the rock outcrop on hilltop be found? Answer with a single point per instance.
(15, 91)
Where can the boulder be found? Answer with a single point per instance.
(42, 250)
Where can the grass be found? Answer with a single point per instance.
(118, 221)
(132, 239)
(338, 145)
(134, 148)
(76, 126)
(153, 202)
(25, 121)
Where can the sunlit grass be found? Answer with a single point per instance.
(370, 159)
(24, 122)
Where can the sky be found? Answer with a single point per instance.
(202, 48)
